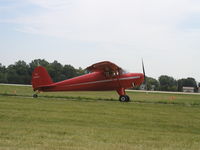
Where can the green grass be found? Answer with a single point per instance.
(97, 120)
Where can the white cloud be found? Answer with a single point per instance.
(107, 20)
(119, 20)
(51, 4)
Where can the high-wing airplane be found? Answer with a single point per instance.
(102, 76)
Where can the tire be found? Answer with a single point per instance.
(127, 98)
(124, 98)
(35, 96)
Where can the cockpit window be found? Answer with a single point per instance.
(110, 74)
(124, 71)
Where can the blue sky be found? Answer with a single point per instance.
(166, 34)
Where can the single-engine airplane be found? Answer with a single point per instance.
(102, 76)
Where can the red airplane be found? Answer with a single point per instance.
(102, 76)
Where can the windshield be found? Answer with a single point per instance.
(124, 71)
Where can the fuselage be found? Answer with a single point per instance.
(97, 81)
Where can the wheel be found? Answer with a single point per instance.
(124, 98)
(127, 98)
(35, 95)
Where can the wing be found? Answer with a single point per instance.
(104, 66)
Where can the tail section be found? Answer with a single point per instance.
(40, 78)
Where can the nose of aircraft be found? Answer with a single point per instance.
(140, 78)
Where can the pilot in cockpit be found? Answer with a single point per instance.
(110, 74)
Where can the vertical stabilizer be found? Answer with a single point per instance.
(40, 77)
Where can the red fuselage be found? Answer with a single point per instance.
(97, 81)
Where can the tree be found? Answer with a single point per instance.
(180, 85)
(12, 76)
(18, 73)
(167, 83)
(37, 62)
(69, 71)
(188, 82)
(22, 71)
(55, 71)
(80, 71)
(3, 77)
(152, 84)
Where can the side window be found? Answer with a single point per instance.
(110, 74)
(107, 74)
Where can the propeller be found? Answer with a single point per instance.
(145, 83)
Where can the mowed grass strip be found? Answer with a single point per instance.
(58, 123)
(138, 97)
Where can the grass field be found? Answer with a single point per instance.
(98, 121)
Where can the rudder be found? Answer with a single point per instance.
(40, 77)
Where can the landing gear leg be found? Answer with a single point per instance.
(123, 97)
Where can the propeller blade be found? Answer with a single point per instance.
(144, 75)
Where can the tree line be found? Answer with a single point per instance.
(21, 72)
(168, 83)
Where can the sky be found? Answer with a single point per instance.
(165, 33)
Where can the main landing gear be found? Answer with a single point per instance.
(123, 97)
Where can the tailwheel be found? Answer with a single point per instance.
(35, 96)
(124, 98)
